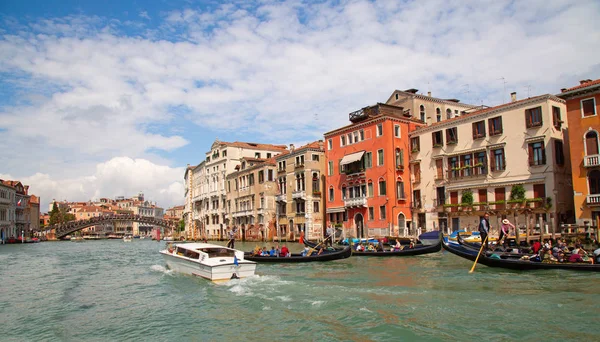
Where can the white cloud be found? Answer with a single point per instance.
(87, 91)
(119, 176)
(144, 14)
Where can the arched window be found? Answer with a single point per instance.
(400, 189)
(315, 183)
(591, 143)
(448, 113)
(399, 159)
(422, 112)
(438, 114)
(594, 182)
(401, 221)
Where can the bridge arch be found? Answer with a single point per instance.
(64, 229)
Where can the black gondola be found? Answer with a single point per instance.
(476, 246)
(517, 264)
(417, 250)
(325, 256)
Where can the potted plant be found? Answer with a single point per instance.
(466, 199)
(517, 195)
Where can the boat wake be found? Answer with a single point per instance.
(161, 269)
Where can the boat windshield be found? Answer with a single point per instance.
(188, 253)
(217, 252)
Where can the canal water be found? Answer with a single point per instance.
(110, 290)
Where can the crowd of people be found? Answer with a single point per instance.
(284, 252)
(559, 251)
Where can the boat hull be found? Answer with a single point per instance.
(516, 264)
(418, 250)
(296, 258)
(224, 271)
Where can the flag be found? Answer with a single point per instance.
(235, 260)
(19, 203)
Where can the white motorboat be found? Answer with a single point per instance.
(127, 238)
(208, 261)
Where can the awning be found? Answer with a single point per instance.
(336, 210)
(351, 158)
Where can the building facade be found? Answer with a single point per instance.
(427, 109)
(583, 107)
(468, 165)
(221, 161)
(301, 192)
(367, 173)
(7, 211)
(250, 205)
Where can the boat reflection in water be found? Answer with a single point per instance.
(208, 261)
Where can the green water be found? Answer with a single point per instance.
(115, 291)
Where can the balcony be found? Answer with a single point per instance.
(593, 200)
(591, 160)
(299, 166)
(468, 172)
(416, 205)
(242, 213)
(299, 194)
(355, 202)
(363, 113)
(281, 198)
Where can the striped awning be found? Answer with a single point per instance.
(351, 158)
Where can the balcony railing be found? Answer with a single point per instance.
(591, 160)
(300, 194)
(281, 198)
(297, 166)
(593, 199)
(355, 202)
(468, 172)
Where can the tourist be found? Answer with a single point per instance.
(277, 250)
(380, 246)
(575, 257)
(273, 252)
(536, 247)
(264, 252)
(398, 246)
(304, 252)
(285, 252)
(597, 255)
(411, 244)
(504, 230)
(484, 229)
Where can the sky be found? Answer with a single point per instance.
(110, 98)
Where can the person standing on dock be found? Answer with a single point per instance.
(484, 229)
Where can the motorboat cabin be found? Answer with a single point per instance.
(208, 261)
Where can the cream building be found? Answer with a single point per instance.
(427, 108)
(220, 161)
(191, 213)
(489, 151)
(301, 180)
(7, 211)
(250, 205)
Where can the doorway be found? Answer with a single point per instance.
(360, 229)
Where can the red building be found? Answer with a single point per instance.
(368, 177)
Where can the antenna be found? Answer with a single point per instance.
(529, 87)
(468, 91)
(504, 88)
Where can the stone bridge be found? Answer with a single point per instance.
(63, 229)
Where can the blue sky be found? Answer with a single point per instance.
(108, 98)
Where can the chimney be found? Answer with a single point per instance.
(513, 96)
(321, 147)
(291, 147)
(429, 93)
(583, 81)
(26, 189)
(563, 90)
(428, 121)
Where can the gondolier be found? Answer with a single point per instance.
(231, 242)
(329, 238)
(484, 229)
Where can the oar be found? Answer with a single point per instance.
(315, 247)
(478, 254)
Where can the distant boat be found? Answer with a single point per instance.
(168, 238)
(127, 238)
(77, 239)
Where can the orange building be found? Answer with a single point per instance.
(368, 177)
(583, 107)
